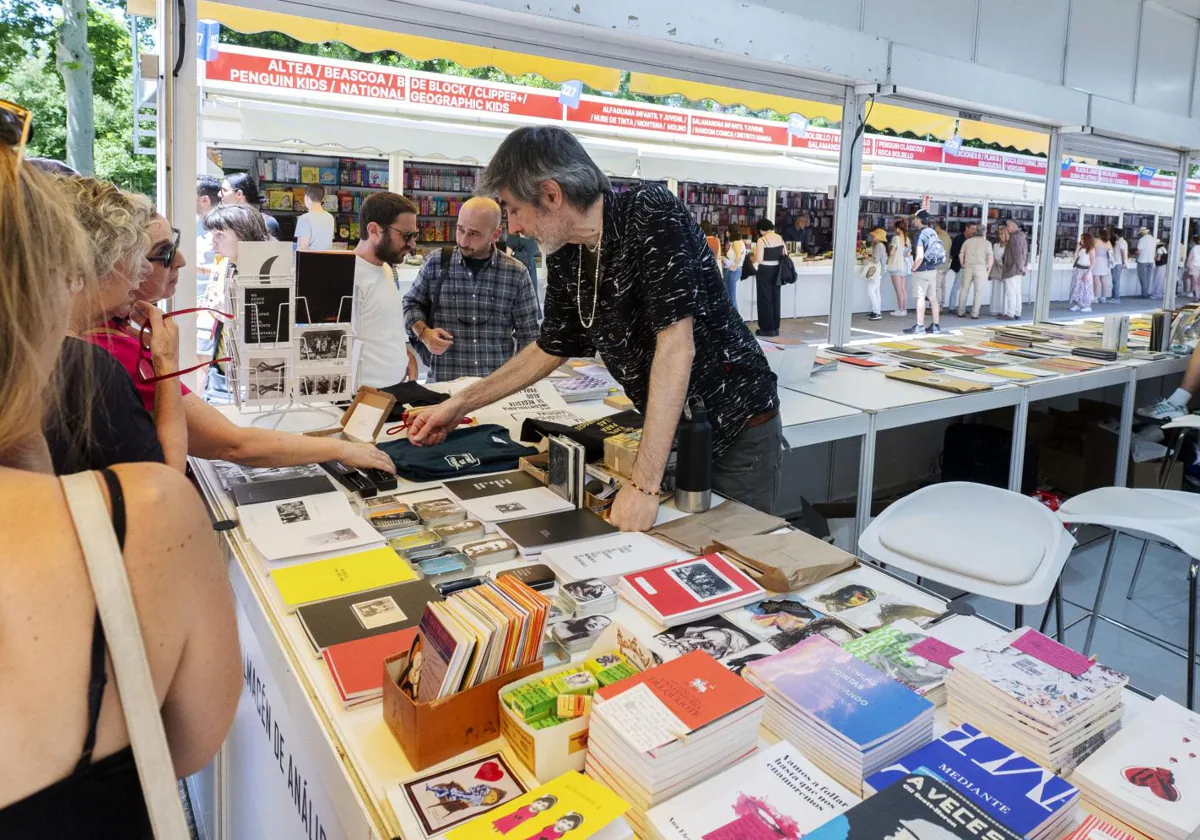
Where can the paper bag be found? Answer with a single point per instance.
(728, 520)
(786, 562)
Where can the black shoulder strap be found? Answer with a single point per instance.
(435, 296)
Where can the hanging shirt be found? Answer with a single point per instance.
(656, 270)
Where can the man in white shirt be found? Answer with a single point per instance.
(388, 225)
(314, 230)
(976, 258)
(1146, 247)
(1120, 257)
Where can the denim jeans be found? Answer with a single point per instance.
(1116, 276)
(750, 469)
(732, 278)
(1145, 277)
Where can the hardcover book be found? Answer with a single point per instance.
(537, 533)
(492, 485)
(364, 614)
(684, 589)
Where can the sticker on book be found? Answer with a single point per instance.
(378, 612)
(702, 580)
(461, 793)
(643, 720)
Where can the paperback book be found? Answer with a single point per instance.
(610, 557)
(868, 600)
(365, 614)
(895, 650)
(571, 805)
(689, 589)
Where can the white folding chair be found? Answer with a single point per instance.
(981, 539)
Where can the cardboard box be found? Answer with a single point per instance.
(364, 419)
(548, 753)
(430, 733)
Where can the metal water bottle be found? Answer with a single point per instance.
(693, 464)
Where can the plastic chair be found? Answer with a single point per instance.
(981, 539)
(1186, 424)
(1169, 516)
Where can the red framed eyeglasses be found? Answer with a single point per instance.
(145, 362)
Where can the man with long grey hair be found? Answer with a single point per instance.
(630, 277)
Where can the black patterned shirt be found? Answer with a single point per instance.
(656, 270)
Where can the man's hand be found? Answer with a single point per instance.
(437, 340)
(366, 456)
(431, 426)
(412, 370)
(164, 339)
(633, 510)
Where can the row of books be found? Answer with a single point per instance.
(348, 173)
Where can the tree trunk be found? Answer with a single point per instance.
(75, 65)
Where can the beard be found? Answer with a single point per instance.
(553, 232)
(389, 254)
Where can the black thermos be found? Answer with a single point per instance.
(693, 465)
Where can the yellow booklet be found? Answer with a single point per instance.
(321, 580)
(1009, 373)
(573, 805)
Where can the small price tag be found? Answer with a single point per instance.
(1052, 653)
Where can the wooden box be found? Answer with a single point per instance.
(430, 733)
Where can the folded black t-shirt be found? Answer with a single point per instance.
(121, 431)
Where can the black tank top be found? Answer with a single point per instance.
(101, 800)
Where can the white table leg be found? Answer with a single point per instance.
(866, 479)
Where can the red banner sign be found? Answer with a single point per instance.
(469, 95)
(996, 162)
(819, 140)
(893, 148)
(758, 132)
(626, 115)
(364, 81)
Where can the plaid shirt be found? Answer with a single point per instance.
(491, 317)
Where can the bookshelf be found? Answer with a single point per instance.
(883, 212)
(439, 191)
(722, 205)
(1132, 222)
(820, 210)
(1164, 230)
(1066, 233)
(620, 185)
(1022, 214)
(1093, 223)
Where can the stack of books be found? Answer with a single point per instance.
(850, 719)
(907, 654)
(477, 634)
(775, 793)
(1149, 774)
(686, 590)
(492, 499)
(1053, 704)
(1010, 788)
(658, 733)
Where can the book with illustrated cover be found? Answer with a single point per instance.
(687, 589)
(1094, 828)
(1040, 676)
(365, 614)
(821, 681)
(869, 599)
(1148, 775)
(890, 650)
(920, 807)
(773, 616)
(836, 631)
(1002, 782)
(775, 793)
(573, 805)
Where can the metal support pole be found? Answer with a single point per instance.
(866, 480)
(845, 220)
(1125, 433)
(1045, 274)
(1178, 230)
(1016, 459)
(1108, 559)
(1193, 569)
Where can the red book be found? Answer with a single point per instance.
(857, 362)
(689, 589)
(357, 667)
(695, 688)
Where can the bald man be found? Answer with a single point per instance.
(472, 307)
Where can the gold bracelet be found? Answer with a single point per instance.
(641, 490)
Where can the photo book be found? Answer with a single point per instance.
(689, 589)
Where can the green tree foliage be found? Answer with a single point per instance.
(28, 76)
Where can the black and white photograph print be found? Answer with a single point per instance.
(323, 345)
(578, 629)
(341, 535)
(266, 379)
(701, 580)
(378, 612)
(324, 384)
(586, 591)
(717, 636)
(291, 512)
(510, 507)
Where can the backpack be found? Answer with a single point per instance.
(935, 251)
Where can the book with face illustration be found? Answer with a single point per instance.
(869, 599)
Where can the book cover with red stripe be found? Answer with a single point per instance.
(685, 586)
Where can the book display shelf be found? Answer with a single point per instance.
(819, 208)
(1066, 235)
(1130, 224)
(1022, 214)
(722, 205)
(438, 191)
(1093, 223)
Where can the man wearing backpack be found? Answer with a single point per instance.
(471, 308)
(929, 254)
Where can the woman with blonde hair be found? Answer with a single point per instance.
(997, 307)
(899, 265)
(117, 225)
(67, 769)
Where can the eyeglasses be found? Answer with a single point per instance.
(14, 126)
(145, 366)
(167, 256)
(409, 236)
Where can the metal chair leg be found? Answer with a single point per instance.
(1108, 558)
(1018, 616)
(1191, 660)
(1137, 569)
(1059, 630)
(1053, 603)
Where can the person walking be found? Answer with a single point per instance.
(1012, 272)
(899, 263)
(928, 256)
(768, 252)
(997, 307)
(1146, 247)
(1102, 268)
(1081, 274)
(1120, 260)
(731, 262)
(874, 272)
(976, 260)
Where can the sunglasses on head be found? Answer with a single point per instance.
(15, 123)
(145, 366)
(167, 256)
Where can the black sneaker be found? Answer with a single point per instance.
(934, 328)
(875, 316)
(915, 329)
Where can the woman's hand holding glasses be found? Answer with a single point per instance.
(164, 340)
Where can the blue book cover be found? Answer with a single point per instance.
(1005, 784)
(824, 682)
